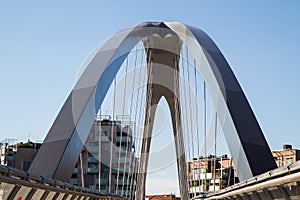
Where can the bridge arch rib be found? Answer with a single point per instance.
(64, 141)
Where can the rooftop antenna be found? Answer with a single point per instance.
(29, 134)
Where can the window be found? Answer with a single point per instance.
(106, 146)
(92, 165)
(104, 133)
(104, 176)
(92, 187)
(277, 163)
(103, 187)
(289, 161)
(106, 169)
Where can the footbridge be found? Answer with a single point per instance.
(128, 76)
(280, 183)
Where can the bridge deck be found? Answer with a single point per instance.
(18, 184)
(280, 183)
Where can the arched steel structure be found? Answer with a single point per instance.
(63, 144)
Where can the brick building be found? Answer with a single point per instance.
(286, 156)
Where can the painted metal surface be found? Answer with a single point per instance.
(281, 183)
(64, 141)
(18, 184)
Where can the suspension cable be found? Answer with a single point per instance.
(137, 130)
(229, 173)
(139, 118)
(190, 108)
(112, 135)
(81, 166)
(191, 117)
(121, 134)
(184, 118)
(147, 112)
(178, 139)
(100, 150)
(182, 96)
(204, 132)
(197, 131)
(215, 150)
(130, 132)
(176, 113)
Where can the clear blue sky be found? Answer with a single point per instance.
(42, 46)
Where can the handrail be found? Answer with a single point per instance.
(270, 176)
(22, 178)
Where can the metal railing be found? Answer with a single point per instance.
(280, 183)
(18, 184)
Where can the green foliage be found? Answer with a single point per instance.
(25, 145)
(195, 183)
(223, 183)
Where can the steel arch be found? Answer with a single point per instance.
(64, 141)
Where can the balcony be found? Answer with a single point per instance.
(73, 181)
(102, 181)
(206, 176)
(122, 160)
(122, 182)
(105, 139)
(124, 139)
(92, 160)
(92, 170)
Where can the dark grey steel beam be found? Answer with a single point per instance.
(254, 144)
(59, 153)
